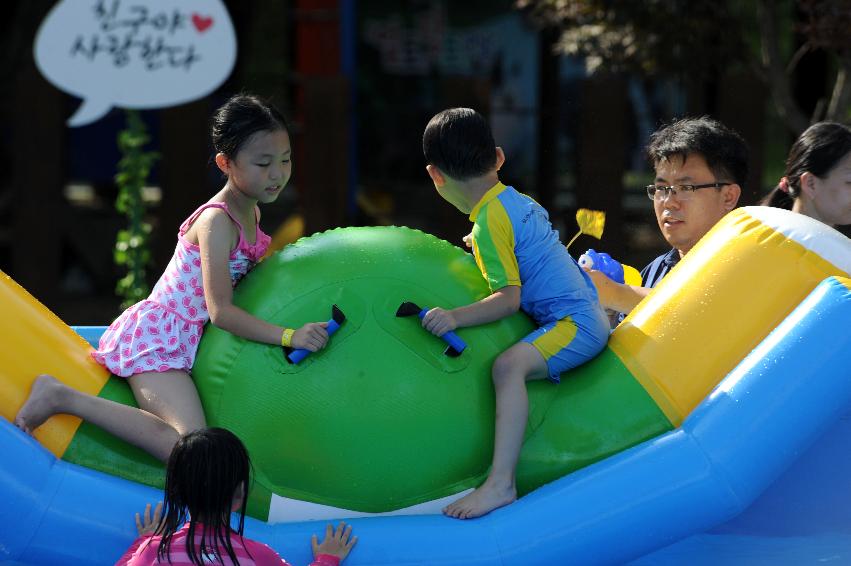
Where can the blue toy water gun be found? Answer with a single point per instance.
(611, 268)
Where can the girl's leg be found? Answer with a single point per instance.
(154, 427)
(511, 370)
(171, 396)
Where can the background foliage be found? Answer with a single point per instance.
(132, 249)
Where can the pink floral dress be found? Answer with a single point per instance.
(162, 332)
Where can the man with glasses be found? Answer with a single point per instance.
(700, 167)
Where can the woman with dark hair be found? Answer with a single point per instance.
(207, 478)
(817, 182)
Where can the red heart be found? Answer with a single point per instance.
(201, 22)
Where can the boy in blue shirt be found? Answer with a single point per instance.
(526, 267)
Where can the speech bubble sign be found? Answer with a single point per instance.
(135, 53)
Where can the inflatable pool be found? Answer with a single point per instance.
(731, 374)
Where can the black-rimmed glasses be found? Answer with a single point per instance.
(682, 192)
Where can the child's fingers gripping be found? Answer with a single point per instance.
(427, 318)
(317, 338)
(320, 334)
(432, 318)
(318, 331)
(440, 322)
(441, 327)
(312, 336)
(318, 328)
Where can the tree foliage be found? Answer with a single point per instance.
(132, 248)
(700, 39)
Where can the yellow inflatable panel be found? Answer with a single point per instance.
(35, 341)
(288, 232)
(681, 338)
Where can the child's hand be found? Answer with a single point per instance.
(336, 543)
(312, 336)
(468, 240)
(439, 321)
(150, 525)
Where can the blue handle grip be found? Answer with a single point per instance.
(449, 337)
(298, 355)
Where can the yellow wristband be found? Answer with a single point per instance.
(287, 337)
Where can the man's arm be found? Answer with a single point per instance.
(617, 296)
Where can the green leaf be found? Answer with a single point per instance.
(131, 244)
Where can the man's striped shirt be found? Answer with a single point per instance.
(659, 268)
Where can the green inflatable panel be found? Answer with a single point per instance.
(382, 419)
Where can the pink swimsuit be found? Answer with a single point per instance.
(162, 332)
(143, 552)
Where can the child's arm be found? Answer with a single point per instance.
(215, 238)
(617, 296)
(501, 303)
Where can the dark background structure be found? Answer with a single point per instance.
(360, 79)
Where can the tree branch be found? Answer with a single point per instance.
(772, 62)
(840, 99)
(796, 58)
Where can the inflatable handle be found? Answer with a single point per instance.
(456, 345)
(449, 337)
(337, 318)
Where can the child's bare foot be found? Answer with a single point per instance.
(480, 502)
(40, 405)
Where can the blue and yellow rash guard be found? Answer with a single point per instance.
(515, 244)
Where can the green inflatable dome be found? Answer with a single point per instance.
(382, 419)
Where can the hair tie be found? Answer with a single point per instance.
(784, 185)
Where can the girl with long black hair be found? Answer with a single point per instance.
(207, 478)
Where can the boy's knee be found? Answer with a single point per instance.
(520, 362)
(505, 368)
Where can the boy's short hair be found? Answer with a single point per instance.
(725, 152)
(459, 142)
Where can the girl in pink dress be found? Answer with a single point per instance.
(153, 343)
